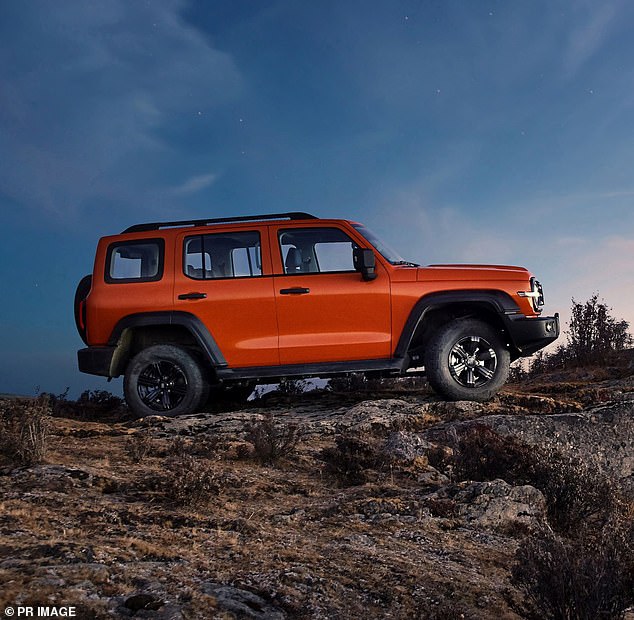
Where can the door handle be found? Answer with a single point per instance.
(193, 296)
(294, 291)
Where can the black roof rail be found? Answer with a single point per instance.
(292, 215)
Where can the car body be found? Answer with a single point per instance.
(259, 298)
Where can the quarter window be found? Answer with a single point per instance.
(223, 255)
(135, 261)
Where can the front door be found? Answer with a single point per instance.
(325, 311)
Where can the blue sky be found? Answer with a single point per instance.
(460, 131)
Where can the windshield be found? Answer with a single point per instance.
(387, 252)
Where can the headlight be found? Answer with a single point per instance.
(536, 294)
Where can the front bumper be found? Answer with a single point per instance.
(529, 335)
(96, 360)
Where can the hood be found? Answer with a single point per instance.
(465, 272)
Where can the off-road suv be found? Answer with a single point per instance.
(185, 309)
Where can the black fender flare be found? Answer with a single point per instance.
(192, 323)
(498, 301)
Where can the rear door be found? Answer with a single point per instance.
(224, 278)
(326, 312)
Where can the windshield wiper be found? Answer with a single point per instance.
(406, 262)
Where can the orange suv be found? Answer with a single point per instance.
(185, 309)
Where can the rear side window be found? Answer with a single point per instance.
(223, 255)
(135, 261)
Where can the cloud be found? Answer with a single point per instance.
(194, 184)
(589, 33)
(93, 96)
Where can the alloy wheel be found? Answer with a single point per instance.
(472, 361)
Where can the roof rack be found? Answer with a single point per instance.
(293, 215)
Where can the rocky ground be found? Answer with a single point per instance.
(365, 517)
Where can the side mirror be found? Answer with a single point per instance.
(365, 263)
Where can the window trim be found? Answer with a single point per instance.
(159, 241)
(202, 235)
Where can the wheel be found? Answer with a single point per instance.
(467, 360)
(165, 380)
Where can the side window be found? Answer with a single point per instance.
(223, 255)
(316, 250)
(135, 261)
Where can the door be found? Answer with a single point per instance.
(326, 312)
(224, 278)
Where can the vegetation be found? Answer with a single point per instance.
(584, 577)
(581, 566)
(185, 481)
(271, 440)
(351, 457)
(593, 338)
(24, 430)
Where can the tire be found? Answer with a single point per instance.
(83, 288)
(164, 380)
(467, 360)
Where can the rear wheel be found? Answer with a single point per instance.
(164, 380)
(467, 360)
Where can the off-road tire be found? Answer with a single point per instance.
(448, 350)
(164, 380)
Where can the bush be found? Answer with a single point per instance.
(138, 446)
(203, 445)
(24, 430)
(593, 333)
(594, 336)
(351, 458)
(185, 481)
(574, 491)
(589, 577)
(272, 441)
(91, 404)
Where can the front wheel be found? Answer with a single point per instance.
(467, 360)
(164, 380)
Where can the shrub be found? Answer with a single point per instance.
(593, 337)
(351, 458)
(574, 491)
(138, 446)
(483, 454)
(24, 430)
(203, 445)
(272, 441)
(95, 404)
(593, 333)
(185, 481)
(588, 577)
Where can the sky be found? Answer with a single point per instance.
(460, 131)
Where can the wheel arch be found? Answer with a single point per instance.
(436, 309)
(136, 332)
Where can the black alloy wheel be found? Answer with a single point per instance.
(165, 379)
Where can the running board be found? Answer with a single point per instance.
(316, 369)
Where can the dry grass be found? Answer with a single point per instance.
(24, 431)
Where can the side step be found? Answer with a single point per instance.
(317, 369)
